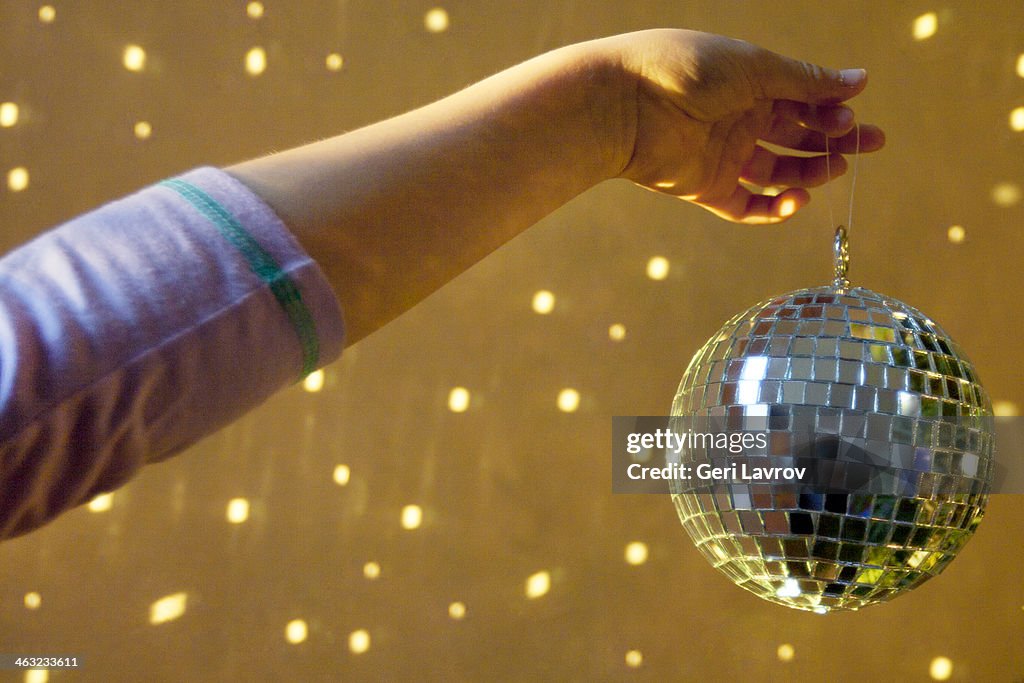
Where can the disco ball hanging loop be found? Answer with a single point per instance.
(880, 401)
(841, 256)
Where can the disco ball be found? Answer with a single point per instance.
(879, 393)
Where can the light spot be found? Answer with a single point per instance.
(1017, 119)
(8, 114)
(102, 502)
(634, 658)
(37, 676)
(1020, 65)
(296, 631)
(143, 129)
(617, 332)
(568, 400)
(359, 641)
(537, 585)
(342, 473)
(543, 302)
(412, 517)
(956, 234)
(238, 510)
(821, 609)
(636, 553)
(371, 570)
(1006, 194)
(47, 13)
(787, 207)
(785, 652)
(436, 20)
(925, 26)
(941, 668)
(334, 62)
(457, 610)
(458, 400)
(33, 600)
(134, 58)
(168, 608)
(254, 10)
(255, 61)
(17, 179)
(314, 381)
(657, 268)
(789, 589)
(665, 184)
(1005, 409)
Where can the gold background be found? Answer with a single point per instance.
(512, 486)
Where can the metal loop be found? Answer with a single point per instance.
(841, 259)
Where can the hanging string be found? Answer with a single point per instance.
(840, 244)
(853, 183)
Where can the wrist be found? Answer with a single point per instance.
(609, 95)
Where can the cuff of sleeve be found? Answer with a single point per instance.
(274, 254)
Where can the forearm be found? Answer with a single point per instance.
(395, 210)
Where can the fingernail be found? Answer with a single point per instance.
(851, 78)
(844, 117)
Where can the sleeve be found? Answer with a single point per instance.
(132, 331)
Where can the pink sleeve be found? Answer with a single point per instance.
(132, 331)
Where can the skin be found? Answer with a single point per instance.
(393, 211)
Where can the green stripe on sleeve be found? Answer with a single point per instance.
(262, 264)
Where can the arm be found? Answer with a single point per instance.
(131, 332)
(394, 211)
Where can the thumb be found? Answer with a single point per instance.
(784, 78)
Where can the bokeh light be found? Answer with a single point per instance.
(436, 20)
(238, 510)
(941, 668)
(314, 381)
(102, 502)
(134, 58)
(568, 400)
(168, 608)
(925, 26)
(17, 179)
(636, 553)
(334, 62)
(543, 302)
(1017, 119)
(296, 631)
(341, 475)
(412, 517)
(458, 400)
(1006, 194)
(255, 61)
(359, 641)
(538, 585)
(8, 114)
(657, 268)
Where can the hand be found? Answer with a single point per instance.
(704, 103)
